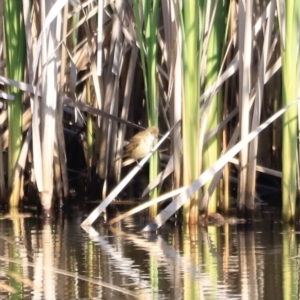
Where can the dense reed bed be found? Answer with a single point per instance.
(212, 75)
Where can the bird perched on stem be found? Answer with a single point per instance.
(140, 144)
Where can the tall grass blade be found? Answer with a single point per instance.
(16, 53)
(146, 16)
(290, 82)
(190, 103)
(211, 149)
(245, 48)
(146, 205)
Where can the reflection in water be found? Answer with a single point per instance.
(63, 261)
(48, 263)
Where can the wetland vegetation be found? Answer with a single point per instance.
(218, 78)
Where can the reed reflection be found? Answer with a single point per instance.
(62, 261)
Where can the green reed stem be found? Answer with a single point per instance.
(290, 77)
(16, 55)
(149, 61)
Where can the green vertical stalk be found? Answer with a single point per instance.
(89, 126)
(15, 54)
(190, 118)
(214, 55)
(151, 34)
(290, 76)
(149, 61)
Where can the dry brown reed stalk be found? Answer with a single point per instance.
(256, 117)
(173, 50)
(245, 48)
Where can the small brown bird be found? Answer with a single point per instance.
(140, 144)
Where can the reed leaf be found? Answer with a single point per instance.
(211, 150)
(290, 82)
(146, 205)
(190, 103)
(16, 53)
(146, 16)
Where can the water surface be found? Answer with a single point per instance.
(60, 260)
